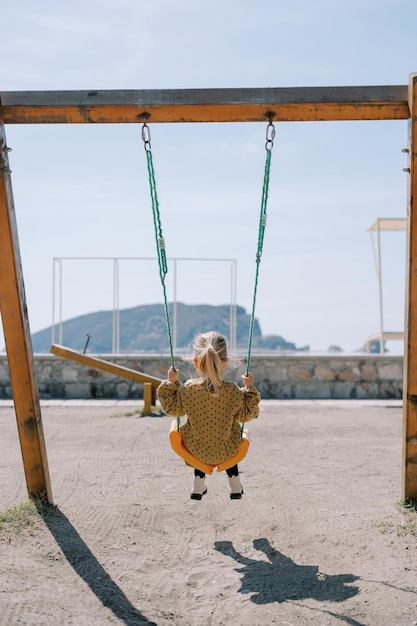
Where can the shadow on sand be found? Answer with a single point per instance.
(280, 579)
(85, 564)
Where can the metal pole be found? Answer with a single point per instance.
(117, 308)
(60, 302)
(381, 315)
(115, 321)
(233, 306)
(57, 294)
(174, 312)
(53, 302)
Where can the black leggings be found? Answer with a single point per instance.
(231, 471)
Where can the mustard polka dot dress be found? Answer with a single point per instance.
(212, 430)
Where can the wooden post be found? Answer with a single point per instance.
(147, 398)
(18, 341)
(410, 345)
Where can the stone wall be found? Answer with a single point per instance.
(276, 377)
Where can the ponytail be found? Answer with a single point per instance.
(210, 350)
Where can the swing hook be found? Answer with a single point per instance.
(270, 132)
(146, 133)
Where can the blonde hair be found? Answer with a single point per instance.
(210, 351)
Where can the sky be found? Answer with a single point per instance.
(82, 190)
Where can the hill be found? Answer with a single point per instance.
(143, 329)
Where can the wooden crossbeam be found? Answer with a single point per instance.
(205, 105)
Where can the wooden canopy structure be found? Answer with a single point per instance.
(176, 106)
(379, 225)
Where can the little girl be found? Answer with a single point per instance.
(213, 407)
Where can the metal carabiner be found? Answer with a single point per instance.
(146, 136)
(270, 135)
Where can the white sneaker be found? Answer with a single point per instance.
(236, 489)
(199, 488)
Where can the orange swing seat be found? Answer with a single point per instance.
(177, 444)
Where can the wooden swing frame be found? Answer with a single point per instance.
(176, 106)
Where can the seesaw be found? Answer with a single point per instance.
(150, 383)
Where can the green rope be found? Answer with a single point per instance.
(261, 233)
(160, 244)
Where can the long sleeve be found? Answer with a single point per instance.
(250, 408)
(169, 395)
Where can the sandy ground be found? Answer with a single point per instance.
(318, 537)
